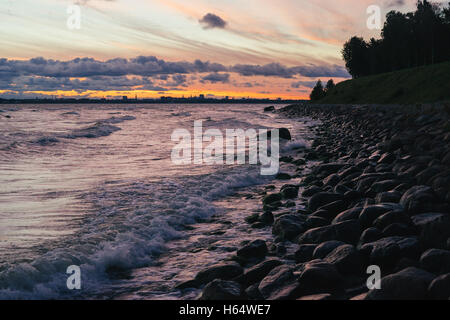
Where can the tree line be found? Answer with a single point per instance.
(407, 40)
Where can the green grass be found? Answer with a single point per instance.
(417, 85)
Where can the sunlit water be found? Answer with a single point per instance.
(94, 186)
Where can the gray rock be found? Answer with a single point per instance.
(322, 198)
(219, 271)
(346, 259)
(435, 232)
(439, 288)
(323, 249)
(289, 226)
(370, 235)
(408, 284)
(257, 272)
(277, 278)
(419, 199)
(318, 277)
(387, 251)
(350, 214)
(396, 216)
(222, 290)
(436, 261)
(372, 212)
(304, 253)
(255, 249)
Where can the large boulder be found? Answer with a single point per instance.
(350, 214)
(257, 272)
(323, 249)
(408, 284)
(219, 271)
(284, 134)
(222, 290)
(277, 278)
(387, 251)
(304, 252)
(372, 212)
(439, 288)
(347, 231)
(254, 250)
(322, 198)
(346, 259)
(435, 231)
(320, 277)
(436, 261)
(289, 226)
(419, 199)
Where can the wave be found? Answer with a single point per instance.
(130, 229)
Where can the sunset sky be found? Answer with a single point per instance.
(152, 48)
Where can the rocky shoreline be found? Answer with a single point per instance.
(379, 197)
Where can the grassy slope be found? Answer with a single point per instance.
(417, 85)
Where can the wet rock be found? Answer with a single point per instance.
(257, 272)
(323, 249)
(304, 253)
(252, 218)
(284, 134)
(269, 109)
(289, 191)
(333, 209)
(277, 278)
(311, 191)
(220, 271)
(266, 218)
(318, 277)
(408, 284)
(271, 198)
(436, 261)
(253, 293)
(255, 249)
(439, 288)
(289, 226)
(322, 198)
(222, 290)
(283, 176)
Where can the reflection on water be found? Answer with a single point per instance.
(94, 186)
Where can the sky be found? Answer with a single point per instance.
(153, 48)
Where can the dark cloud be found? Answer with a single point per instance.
(143, 73)
(395, 3)
(272, 69)
(210, 21)
(308, 84)
(216, 77)
(313, 71)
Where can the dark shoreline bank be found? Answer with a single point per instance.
(380, 196)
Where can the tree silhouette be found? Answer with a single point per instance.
(318, 92)
(407, 40)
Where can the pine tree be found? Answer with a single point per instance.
(318, 92)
